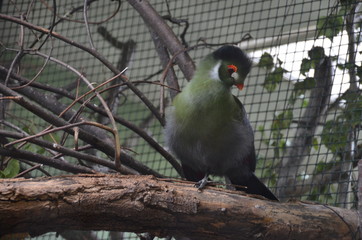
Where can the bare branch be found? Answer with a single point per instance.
(143, 204)
(87, 136)
(302, 142)
(157, 24)
(68, 152)
(51, 26)
(165, 59)
(36, 166)
(38, 158)
(55, 129)
(39, 72)
(96, 55)
(103, 102)
(85, 15)
(60, 108)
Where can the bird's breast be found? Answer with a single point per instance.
(216, 144)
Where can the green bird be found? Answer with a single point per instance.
(207, 128)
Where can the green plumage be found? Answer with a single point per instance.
(207, 127)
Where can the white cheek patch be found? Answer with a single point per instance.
(235, 76)
(214, 73)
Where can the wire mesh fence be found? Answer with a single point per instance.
(302, 96)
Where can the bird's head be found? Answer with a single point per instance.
(231, 67)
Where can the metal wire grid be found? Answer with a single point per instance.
(283, 29)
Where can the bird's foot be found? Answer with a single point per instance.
(203, 182)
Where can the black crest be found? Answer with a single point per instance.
(234, 55)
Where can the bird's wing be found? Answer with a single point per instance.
(241, 116)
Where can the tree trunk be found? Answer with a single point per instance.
(161, 207)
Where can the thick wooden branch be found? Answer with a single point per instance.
(161, 207)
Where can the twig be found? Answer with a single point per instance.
(41, 169)
(39, 72)
(168, 73)
(127, 49)
(103, 102)
(55, 129)
(78, 99)
(57, 22)
(65, 16)
(23, 133)
(62, 165)
(246, 37)
(52, 25)
(152, 142)
(157, 24)
(29, 170)
(20, 53)
(178, 22)
(85, 13)
(84, 135)
(140, 82)
(66, 151)
(93, 53)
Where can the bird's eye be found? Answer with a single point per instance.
(232, 69)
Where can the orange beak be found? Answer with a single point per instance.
(240, 86)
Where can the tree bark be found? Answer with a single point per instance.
(158, 25)
(301, 145)
(161, 207)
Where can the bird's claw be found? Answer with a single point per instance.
(203, 182)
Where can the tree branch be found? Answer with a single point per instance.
(147, 204)
(59, 107)
(66, 151)
(83, 134)
(302, 142)
(56, 163)
(93, 53)
(165, 58)
(158, 25)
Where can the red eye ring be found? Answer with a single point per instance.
(232, 69)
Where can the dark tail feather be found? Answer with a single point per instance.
(255, 186)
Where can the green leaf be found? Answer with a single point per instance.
(335, 135)
(282, 120)
(315, 144)
(316, 54)
(323, 166)
(306, 84)
(261, 129)
(266, 61)
(300, 89)
(11, 170)
(305, 103)
(273, 79)
(309, 83)
(345, 66)
(330, 26)
(305, 66)
(353, 111)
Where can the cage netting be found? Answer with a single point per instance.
(302, 96)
